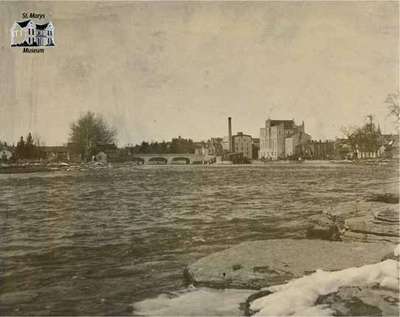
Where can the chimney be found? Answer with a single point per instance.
(230, 133)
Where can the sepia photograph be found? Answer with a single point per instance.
(199, 158)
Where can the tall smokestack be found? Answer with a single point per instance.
(230, 133)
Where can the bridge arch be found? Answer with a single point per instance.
(158, 160)
(138, 160)
(180, 160)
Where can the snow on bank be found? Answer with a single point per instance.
(298, 296)
(195, 302)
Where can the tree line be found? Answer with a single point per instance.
(368, 137)
(91, 132)
(28, 148)
(176, 145)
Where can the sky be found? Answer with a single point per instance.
(159, 70)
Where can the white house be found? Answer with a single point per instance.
(28, 33)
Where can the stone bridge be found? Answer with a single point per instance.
(171, 158)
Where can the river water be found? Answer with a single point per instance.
(96, 241)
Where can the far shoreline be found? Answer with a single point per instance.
(40, 167)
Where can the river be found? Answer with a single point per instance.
(94, 242)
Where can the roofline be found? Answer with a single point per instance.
(242, 135)
(49, 23)
(29, 20)
(279, 120)
(25, 21)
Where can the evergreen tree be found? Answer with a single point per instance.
(20, 149)
(29, 147)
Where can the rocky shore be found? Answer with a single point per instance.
(373, 220)
(259, 264)
(286, 277)
(348, 265)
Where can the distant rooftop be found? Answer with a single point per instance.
(241, 134)
(288, 124)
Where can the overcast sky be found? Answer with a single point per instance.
(158, 70)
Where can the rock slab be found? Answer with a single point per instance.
(362, 301)
(366, 221)
(380, 223)
(259, 264)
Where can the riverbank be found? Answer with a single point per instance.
(332, 288)
(358, 274)
(31, 167)
(37, 167)
(259, 264)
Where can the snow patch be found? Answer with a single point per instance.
(194, 302)
(298, 296)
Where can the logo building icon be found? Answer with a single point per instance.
(29, 33)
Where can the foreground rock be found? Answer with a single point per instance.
(259, 264)
(380, 223)
(389, 198)
(325, 227)
(329, 225)
(362, 301)
(368, 290)
(366, 221)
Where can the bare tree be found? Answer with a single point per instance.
(37, 140)
(393, 104)
(89, 131)
(365, 138)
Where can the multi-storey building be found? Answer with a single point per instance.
(280, 138)
(317, 150)
(256, 148)
(294, 142)
(243, 143)
(215, 146)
